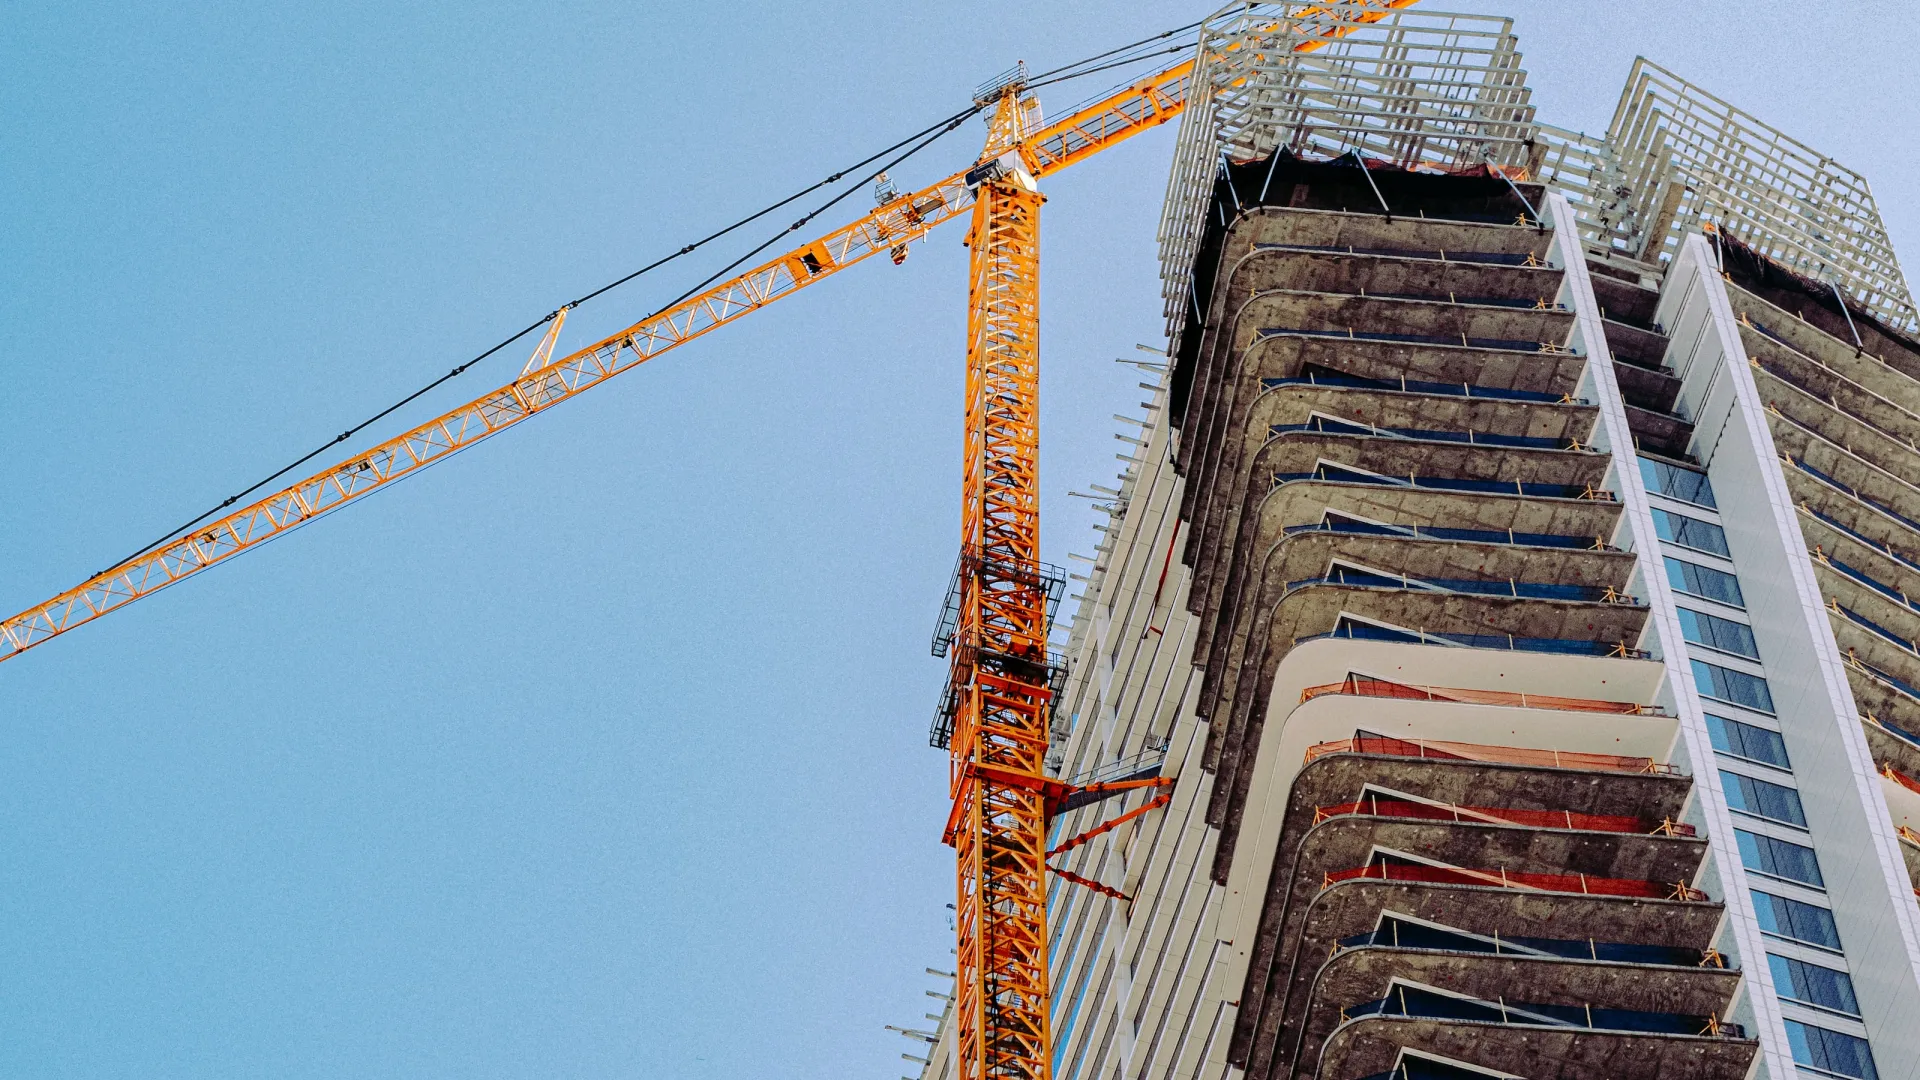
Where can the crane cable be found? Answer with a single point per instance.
(1057, 74)
(926, 136)
(1179, 48)
(937, 130)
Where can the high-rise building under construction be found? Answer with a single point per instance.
(1516, 576)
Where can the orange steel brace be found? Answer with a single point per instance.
(1054, 792)
(1000, 670)
(1109, 825)
(1106, 890)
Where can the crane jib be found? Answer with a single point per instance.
(890, 227)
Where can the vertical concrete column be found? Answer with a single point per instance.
(1728, 881)
(1852, 832)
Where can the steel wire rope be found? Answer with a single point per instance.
(928, 135)
(1038, 83)
(938, 129)
(1124, 48)
(951, 124)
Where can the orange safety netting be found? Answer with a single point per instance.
(1364, 686)
(1900, 778)
(1506, 879)
(1508, 755)
(1545, 819)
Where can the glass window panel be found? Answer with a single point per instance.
(1775, 802)
(1779, 858)
(1691, 532)
(1796, 920)
(1717, 633)
(1747, 741)
(1704, 581)
(1675, 482)
(1831, 1051)
(1814, 984)
(1738, 687)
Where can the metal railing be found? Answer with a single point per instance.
(1475, 258)
(1525, 488)
(1872, 627)
(1416, 1002)
(1367, 686)
(1885, 678)
(1331, 426)
(1443, 532)
(1908, 737)
(1143, 764)
(1417, 386)
(1582, 884)
(1836, 483)
(1395, 934)
(1347, 628)
(1462, 341)
(1827, 399)
(1840, 526)
(1368, 743)
(1861, 577)
(1509, 588)
(1374, 806)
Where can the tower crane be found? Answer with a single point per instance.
(995, 713)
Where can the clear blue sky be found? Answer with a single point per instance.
(600, 750)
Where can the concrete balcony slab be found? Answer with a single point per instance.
(1372, 1044)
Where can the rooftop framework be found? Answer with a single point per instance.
(1439, 90)
(1418, 88)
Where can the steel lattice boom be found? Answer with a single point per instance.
(897, 223)
(1145, 104)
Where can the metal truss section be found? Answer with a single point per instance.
(1095, 126)
(887, 228)
(1000, 684)
(1413, 88)
(1616, 209)
(1676, 158)
(1084, 131)
(1708, 162)
(1430, 89)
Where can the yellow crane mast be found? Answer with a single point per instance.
(1001, 682)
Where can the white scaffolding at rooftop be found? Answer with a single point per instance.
(1432, 89)
(1720, 165)
(1416, 89)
